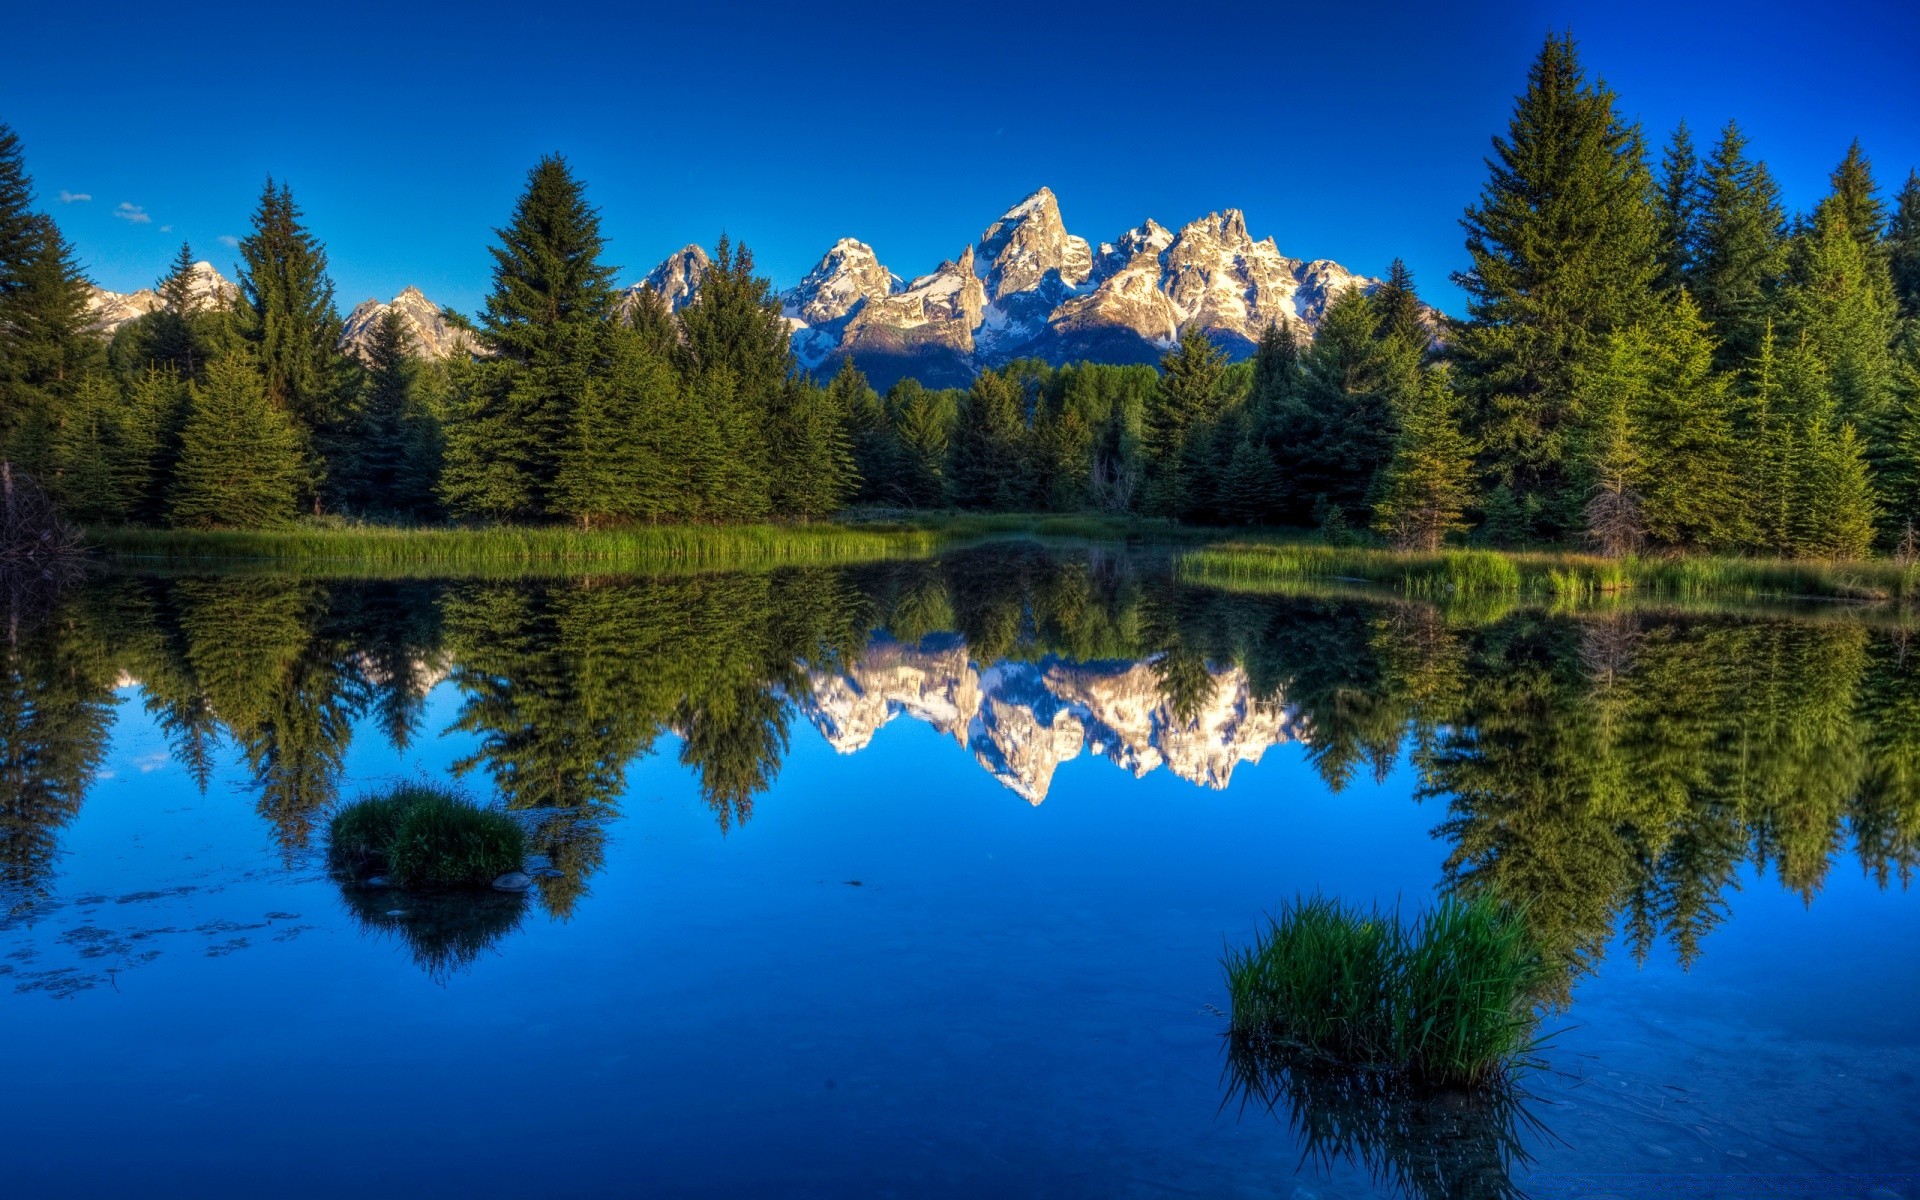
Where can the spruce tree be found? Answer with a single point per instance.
(1677, 205)
(1843, 307)
(1425, 490)
(991, 466)
(1188, 396)
(1741, 258)
(544, 322)
(1838, 509)
(50, 349)
(615, 453)
(379, 469)
(923, 423)
(84, 450)
(1397, 310)
(294, 328)
(1565, 248)
(155, 409)
(1771, 434)
(1339, 429)
(240, 455)
(1855, 197)
(734, 326)
(1685, 428)
(1613, 387)
(1903, 249)
(817, 476)
(870, 437)
(174, 335)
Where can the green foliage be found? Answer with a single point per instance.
(1448, 1003)
(1187, 397)
(294, 328)
(422, 835)
(240, 465)
(1565, 249)
(1903, 249)
(1424, 491)
(991, 445)
(1741, 259)
(390, 457)
(545, 319)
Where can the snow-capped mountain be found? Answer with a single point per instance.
(1029, 288)
(110, 310)
(1022, 720)
(431, 334)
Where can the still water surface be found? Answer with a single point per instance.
(913, 880)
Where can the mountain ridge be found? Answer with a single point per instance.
(1026, 288)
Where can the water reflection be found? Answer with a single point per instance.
(1609, 771)
(1446, 1145)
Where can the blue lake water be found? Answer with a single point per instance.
(914, 880)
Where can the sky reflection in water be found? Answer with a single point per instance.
(936, 910)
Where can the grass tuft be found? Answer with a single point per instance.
(422, 835)
(1447, 1003)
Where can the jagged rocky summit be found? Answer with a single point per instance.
(1028, 288)
(111, 310)
(1022, 720)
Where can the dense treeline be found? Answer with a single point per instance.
(1654, 355)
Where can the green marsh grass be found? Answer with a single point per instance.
(1547, 575)
(420, 835)
(1449, 1002)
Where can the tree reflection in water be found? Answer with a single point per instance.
(1610, 772)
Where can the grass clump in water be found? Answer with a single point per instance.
(1449, 1002)
(425, 836)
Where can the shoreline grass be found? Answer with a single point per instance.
(421, 835)
(1561, 577)
(1447, 1002)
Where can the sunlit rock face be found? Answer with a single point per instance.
(1029, 288)
(206, 288)
(430, 334)
(1021, 721)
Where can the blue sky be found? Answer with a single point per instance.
(1346, 131)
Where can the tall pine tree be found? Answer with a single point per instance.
(1425, 489)
(544, 321)
(240, 464)
(1741, 256)
(1565, 249)
(294, 327)
(1903, 249)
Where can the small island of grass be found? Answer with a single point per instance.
(420, 835)
(1448, 1002)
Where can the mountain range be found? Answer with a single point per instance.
(1026, 288)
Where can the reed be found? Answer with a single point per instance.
(422, 835)
(1448, 1002)
(1562, 577)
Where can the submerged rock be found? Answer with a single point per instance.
(513, 881)
(377, 881)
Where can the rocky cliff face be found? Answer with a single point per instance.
(110, 310)
(1022, 720)
(1029, 288)
(431, 335)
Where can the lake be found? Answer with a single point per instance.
(914, 879)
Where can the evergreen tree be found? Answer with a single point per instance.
(1693, 497)
(1855, 198)
(1772, 435)
(1843, 307)
(990, 445)
(1188, 397)
(1903, 249)
(84, 449)
(1741, 260)
(1838, 509)
(173, 334)
(45, 344)
(295, 329)
(1426, 488)
(734, 327)
(1565, 247)
(1613, 387)
(1899, 478)
(544, 321)
(1339, 429)
(1397, 310)
(155, 409)
(869, 437)
(382, 470)
(1677, 205)
(923, 424)
(609, 469)
(817, 476)
(240, 465)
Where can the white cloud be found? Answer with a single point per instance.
(229, 241)
(166, 229)
(67, 197)
(133, 214)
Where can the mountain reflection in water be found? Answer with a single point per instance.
(1607, 770)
